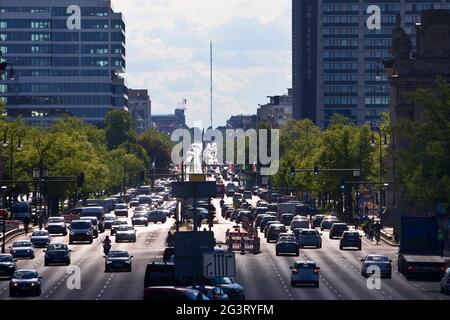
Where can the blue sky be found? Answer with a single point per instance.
(168, 53)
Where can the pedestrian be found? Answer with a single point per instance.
(41, 221)
(441, 239)
(378, 231)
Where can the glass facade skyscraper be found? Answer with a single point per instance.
(58, 71)
(337, 58)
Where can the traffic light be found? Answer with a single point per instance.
(316, 170)
(142, 175)
(292, 171)
(80, 180)
(342, 184)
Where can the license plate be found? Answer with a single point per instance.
(425, 269)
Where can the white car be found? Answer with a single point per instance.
(305, 272)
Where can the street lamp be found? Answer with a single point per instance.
(4, 220)
(19, 147)
(40, 174)
(381, 143)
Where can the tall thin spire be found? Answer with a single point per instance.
(211, 80)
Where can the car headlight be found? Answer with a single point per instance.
(108, 262)
(10, 266)
(88, 233)
(128, 261)
(33, 284)
(15, 284)
(72, 233)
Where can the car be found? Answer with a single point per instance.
(287, 245)
(305, 272)
(121, 209)
(284, 235)
(234, 290)
(327, 222)
(56, 225)
(125, 233)
(22, 249)
(266, 228)
(212, 292)
(317, 220)
(156, 216)
(309, 238)
(57, 253)
(228, 213)
(116, 224)
(234, 215)
(337, 229)
(265, 220)
(134, 203)
(171, 293)
(95, 225)
(118, 260)
(40, 238)
(109, 219)
(274, 230)
(259, 218)
(139, 219)
(286, 219)
(25, 281)
(350, 239)
(445, 282)
(296, 232)
(81, 231)
(248, 195)
(97, 211)
(260, 210)
(297, 223)
(378, 260)
(7, 265)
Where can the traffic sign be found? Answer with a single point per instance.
(219, 264)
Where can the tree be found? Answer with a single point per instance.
(120, 128)
(423, 167)
(158, 147)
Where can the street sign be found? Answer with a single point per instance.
(194, 189)
(220, 264)
(197, 177)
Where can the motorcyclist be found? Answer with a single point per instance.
(106, 245)
(26, 224)
(222, 203)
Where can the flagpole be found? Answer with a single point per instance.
(211, 80)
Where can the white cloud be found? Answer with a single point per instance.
(168, 53)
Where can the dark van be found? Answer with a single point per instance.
(20, 210)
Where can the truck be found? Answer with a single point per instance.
(419, 252)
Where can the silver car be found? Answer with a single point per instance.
(376, 260)
(40, 238)
(309, 238)
(125, 233)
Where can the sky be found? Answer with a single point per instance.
(167, 43)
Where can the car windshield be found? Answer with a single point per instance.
(351, 235)
(124, 228)
(25, 275)
(378, 258)
(110, 218)
(119, 222)
(6, 259)
(221, 280)
(81, 225)
(118, 254)
(22, 244)
(303, 265)
(57, 246)
(39, 234)
(121, 206)
(93, 220)
(55, 220)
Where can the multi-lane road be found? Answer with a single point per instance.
(264, 276)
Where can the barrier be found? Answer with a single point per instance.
(242, 241)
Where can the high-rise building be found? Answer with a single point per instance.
(62, 67)
(140, 108)
(337, 58)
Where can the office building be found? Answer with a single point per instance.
(60, 67)
(337, 58)
(277, 112)
(140, 108)
(168, 123)
(242, 121)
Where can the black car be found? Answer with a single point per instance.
(317, 221)
(98, 226)
(81, 230)
(350, 239)
(233, 289)
(274, 231)
(25, 281)
(109, 219)
(57, 253)
(56, 225)
(118, 260)
(7, 265)
(286, 219)
(287, 245)
(337, 229)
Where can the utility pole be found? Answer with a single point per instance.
(211, 79)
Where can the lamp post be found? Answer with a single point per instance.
(380, 182)
(19, 147)
(4, 220)
(40, 174)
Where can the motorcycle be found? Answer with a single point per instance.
(106, 248)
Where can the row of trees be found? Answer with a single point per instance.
(109, 157)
